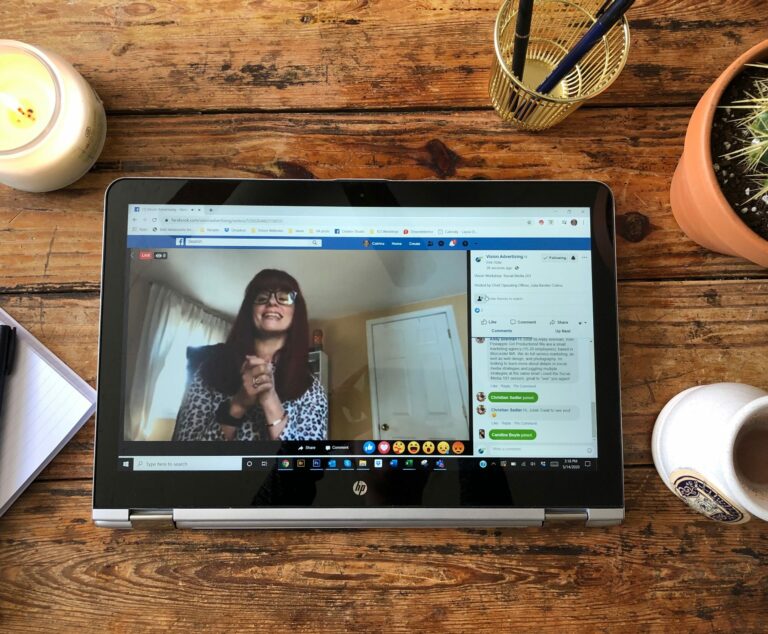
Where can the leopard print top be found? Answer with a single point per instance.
(307, 415)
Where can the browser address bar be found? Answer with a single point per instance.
(253, 242)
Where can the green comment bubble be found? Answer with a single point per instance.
(513, 397)
(512, 434)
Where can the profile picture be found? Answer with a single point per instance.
(480, 396)
(478, 259)
(480, 339)
(366, 243)
(574, 222)
(481, 434)
(481, 409)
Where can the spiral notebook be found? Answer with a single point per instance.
(44, 404)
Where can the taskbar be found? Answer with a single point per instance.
(348, 463)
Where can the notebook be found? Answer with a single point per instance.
(44, 404)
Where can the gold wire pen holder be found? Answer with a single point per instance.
(555, 27)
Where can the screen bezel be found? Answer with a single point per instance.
(466, 486)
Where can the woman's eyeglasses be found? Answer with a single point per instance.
(284, 298)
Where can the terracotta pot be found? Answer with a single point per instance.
(699, 206)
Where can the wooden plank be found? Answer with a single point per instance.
(666, 567)
(678, 334)
(272, 54)
(673, 335)
(53, 241)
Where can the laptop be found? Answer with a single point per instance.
(351, 353)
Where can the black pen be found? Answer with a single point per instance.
(522, 35)
(603, 8)
(7, 353)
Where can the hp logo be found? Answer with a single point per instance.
(360, 488)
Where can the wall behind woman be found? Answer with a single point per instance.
(137, 308)
(345, 342)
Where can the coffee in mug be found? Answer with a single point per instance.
(710, 446)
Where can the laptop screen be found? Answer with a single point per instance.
(327, 338)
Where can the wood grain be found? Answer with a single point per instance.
(381, 89)
(666, 564)
(673, 335)
(197, 55)
(52, 242)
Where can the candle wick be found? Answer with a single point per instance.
(13, 104)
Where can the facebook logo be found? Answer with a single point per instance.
(135, 209)
(179, 242)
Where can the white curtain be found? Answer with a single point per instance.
(171, 323)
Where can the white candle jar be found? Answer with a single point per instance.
(52, 123)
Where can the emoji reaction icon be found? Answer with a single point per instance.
(428, 446)
(458, 447)
(413, 447)
(398, 446)
(443, 447)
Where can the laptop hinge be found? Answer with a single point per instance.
(565, 515)
(156, 520)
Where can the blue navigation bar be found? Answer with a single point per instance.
(375, 244)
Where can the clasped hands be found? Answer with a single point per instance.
(258, 384)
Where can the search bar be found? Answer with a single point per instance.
(302, 243)
(187, 463)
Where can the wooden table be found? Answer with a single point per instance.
(385, 89)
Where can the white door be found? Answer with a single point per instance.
(418, 379)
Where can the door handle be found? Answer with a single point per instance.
(384, 427)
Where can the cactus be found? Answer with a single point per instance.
(753, 154)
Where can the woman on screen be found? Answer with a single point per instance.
(257, 385)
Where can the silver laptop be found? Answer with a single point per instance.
(356, 353)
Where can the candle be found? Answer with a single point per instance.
(52, 123)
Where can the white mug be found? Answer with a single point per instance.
(710, 446)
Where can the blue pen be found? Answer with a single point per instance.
(604, 23)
